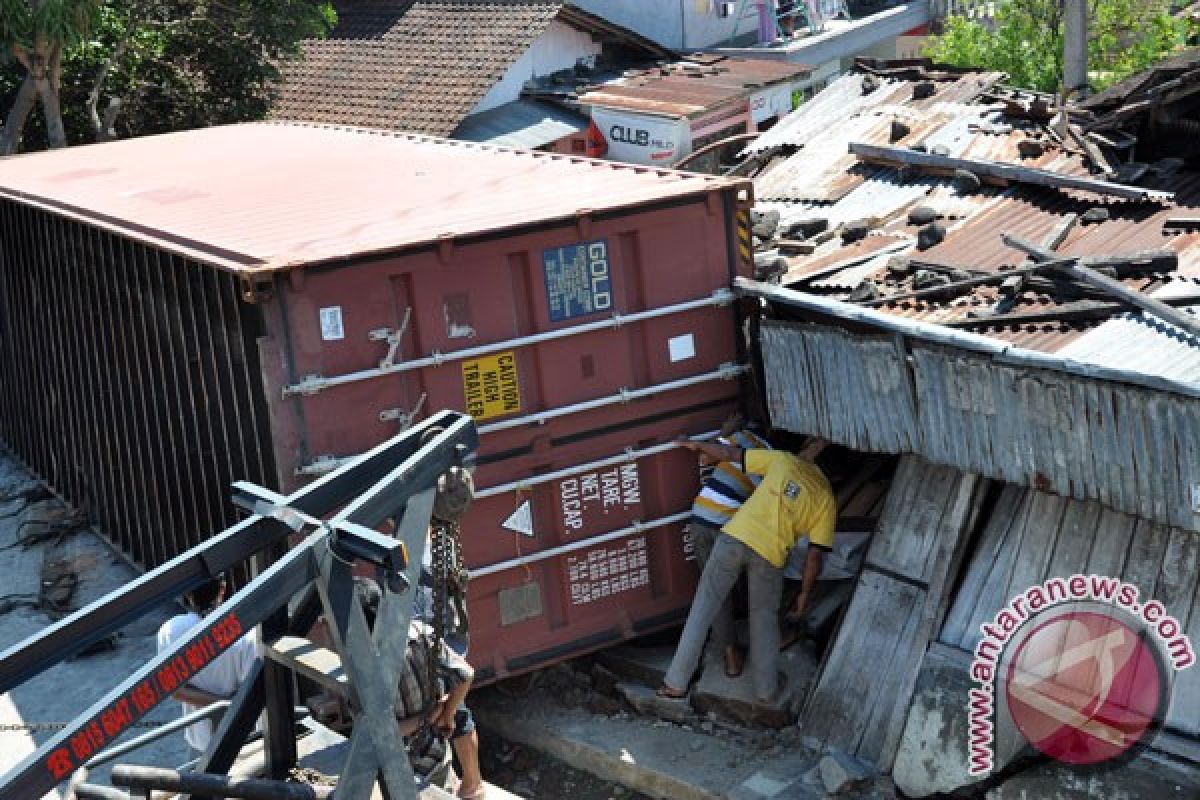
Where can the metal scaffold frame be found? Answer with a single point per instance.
(337, 516)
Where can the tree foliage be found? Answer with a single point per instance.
(150, 66)
(1025, 40)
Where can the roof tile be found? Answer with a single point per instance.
(418, 66)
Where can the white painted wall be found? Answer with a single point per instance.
(678, 24)
(560, 47)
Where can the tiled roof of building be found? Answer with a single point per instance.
(419, 66)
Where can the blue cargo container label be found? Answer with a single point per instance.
(578, 280)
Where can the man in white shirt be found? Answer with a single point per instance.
(221, 678)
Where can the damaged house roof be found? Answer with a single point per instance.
(1041, 271)
(422, 66)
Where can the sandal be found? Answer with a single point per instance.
(671, 693)
(734, 661)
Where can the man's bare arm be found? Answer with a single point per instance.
(197, 697)
(714, 450)
(812, 568)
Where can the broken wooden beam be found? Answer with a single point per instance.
(1080, 312)
(1140, 262)
(1012, 287)
(957, 286)
(1151, 305)
(1011, 173)
(1088, 275)
(1181, 224)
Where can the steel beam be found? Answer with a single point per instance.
(149, 686)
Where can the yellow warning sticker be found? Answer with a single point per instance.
(490, 386)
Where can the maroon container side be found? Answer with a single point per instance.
(577, 593)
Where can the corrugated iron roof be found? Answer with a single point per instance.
(265, 196)
(688, 89)
(975, 220)
(524, 123)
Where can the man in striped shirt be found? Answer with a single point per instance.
(723, 493)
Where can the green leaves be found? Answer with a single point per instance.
(169, 64)
(1025, 40)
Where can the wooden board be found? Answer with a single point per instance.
(862, 695)
(1033, 536)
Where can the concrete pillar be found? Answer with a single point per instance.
(1075, 38)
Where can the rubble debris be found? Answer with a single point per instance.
(806, 228)
(899, 130)
(966, 182)
(931, 234)
(855, 231)
(899, 265)
(928, 279)
(840, 772)
(922, 215)
(645, 701)
(1131, 173)
(865, 291)
(1030, 148)
(1095, 215)
(764, 224)
(870, 83)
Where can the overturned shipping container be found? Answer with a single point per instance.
(261, 301)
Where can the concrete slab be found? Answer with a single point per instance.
(652, 756)
(731, 699)
(326, 752)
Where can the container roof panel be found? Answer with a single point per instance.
(266, 196)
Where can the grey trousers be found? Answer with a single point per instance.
(704, 537)
(729, 557)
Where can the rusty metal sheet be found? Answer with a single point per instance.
(266, 196)
(686, 89)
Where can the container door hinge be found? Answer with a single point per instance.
(256, 290)
(405, 418)
(393, 338)
(321, 465)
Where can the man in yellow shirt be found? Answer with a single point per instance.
(792, 501)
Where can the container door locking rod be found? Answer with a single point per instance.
(338, 515)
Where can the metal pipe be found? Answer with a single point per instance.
(725, 372)
(636, 527)
(315, 384)
(717, 145)
(626, 457)
(93, 791)
(115, 752)
(202, 783)
(925, 331)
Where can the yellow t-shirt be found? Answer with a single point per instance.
(793, 501)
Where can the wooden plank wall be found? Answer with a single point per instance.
(862, 696)
(1033, 536)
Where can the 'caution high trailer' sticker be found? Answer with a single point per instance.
(490, 386)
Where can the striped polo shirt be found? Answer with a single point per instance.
(728, 486)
